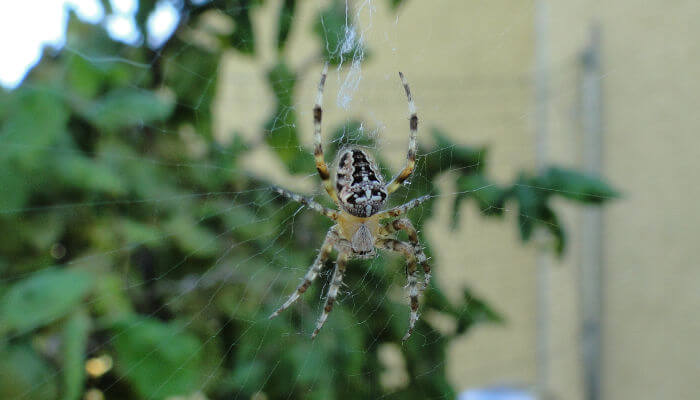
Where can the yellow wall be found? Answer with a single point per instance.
(651, 277)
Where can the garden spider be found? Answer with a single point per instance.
(360, 193)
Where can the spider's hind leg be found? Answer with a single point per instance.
(404, 224)
(411, 269)
(331, 239)
(336, 281)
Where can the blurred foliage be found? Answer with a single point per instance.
(129, 232)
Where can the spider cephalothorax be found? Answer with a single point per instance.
(360, 193)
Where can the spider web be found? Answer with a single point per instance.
(211, 275)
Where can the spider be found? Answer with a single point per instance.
(360, 192)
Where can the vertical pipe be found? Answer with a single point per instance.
(541, 140)
(591, 263)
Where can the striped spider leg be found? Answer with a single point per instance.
(404, 224)
(332, 241)
(412, 145)
(321, 166)
(407, 251)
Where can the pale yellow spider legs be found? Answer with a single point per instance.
(336, 281)
(413, 253)
(309, 202)
(321, 166)
(332, 238)
(412, 145)
(403, 208)
(404, 224)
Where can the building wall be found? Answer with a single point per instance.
(651, 272)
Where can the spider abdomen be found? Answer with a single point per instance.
(360, 185)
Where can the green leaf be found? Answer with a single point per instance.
(535, 211)
(243, 36)
(281, 132)
(127, 107)
(529, 205)
(135, 232)
(42, 231)
(282, 80)
(42, 298)
(335, 29)
(550, 221)
(15, 188)
(88, 174)
(143, 11)
(192, 237)
(245, 224)
(83, 77)
(112, 302)
(394, 4)
(489, 196)
(284, 23)
(475, 310)
(107, 6)
(145, 179)
(447, 156)
(304, 355)
(5, 101)
(75, 336)
(160, 360)
(576, 185)
(248, 375)
(195, 86)
(37, 120)
(25, 375)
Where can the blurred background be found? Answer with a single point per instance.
(143, 246)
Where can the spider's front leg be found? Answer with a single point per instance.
(412, 146)
(332, 238)
(321, 166)
(404, 224)
(403, 208)
(309, 202)
(411, 269)
(336, 281)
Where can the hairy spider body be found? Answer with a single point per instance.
(360, 191)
